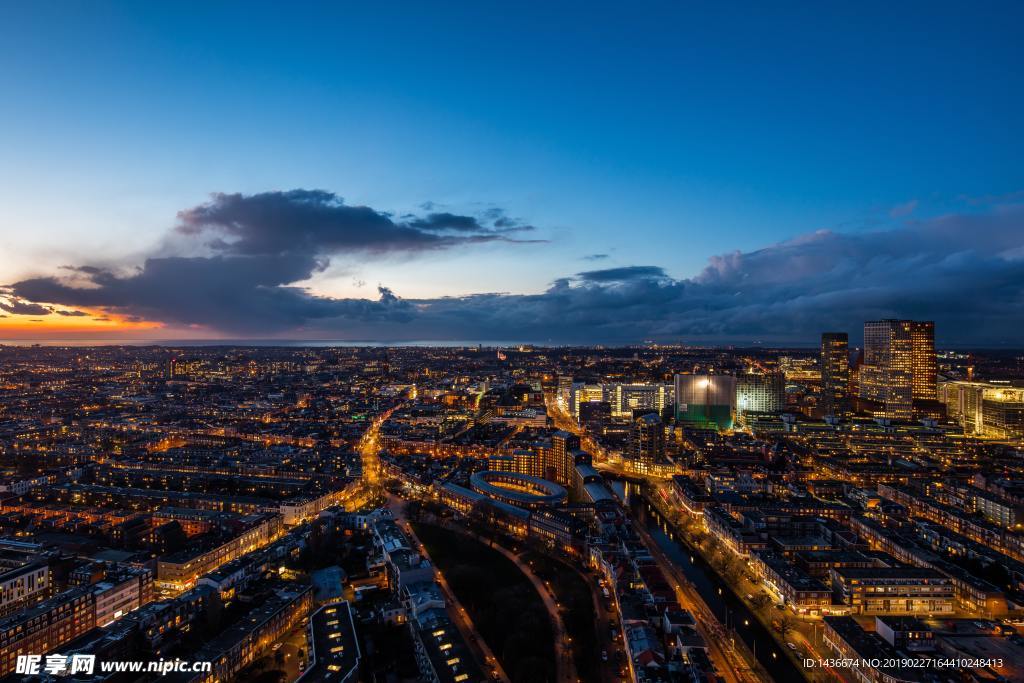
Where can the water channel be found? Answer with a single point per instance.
(717, 594)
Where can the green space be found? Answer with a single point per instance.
(500, 600)
(577, 607)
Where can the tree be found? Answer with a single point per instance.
(786, 625)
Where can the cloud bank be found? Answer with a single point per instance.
(965, 271)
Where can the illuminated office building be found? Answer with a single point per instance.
(646, 444)
(963, 401)
(706, 399)
(584, 393)
(1002, 413)
(760, 393)
(887, 375)
(835, 372)
(623, 399)
(626, 398)
(922, 350)
(990, 409)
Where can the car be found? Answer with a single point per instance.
(604, 655)
(791, 646)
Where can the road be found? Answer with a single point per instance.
(488, 661)
(733, 663)
(806, 632)
(369, 451)
(566, 665)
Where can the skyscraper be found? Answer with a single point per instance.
(899, 365)
(706, 399)
(646, 442)
(922, 345)
(835, 372)
(557, 457)
(760, 393)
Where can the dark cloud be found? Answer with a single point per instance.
(19, 306)
(316, 222)
(72, 314)
(965, 271)
(595, 257)
(622, 274)
(256, 247)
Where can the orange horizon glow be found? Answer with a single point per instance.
(15, 326)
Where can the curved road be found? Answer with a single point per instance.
(481, 649)
(563, 652)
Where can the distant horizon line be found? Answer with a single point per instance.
(243, 342)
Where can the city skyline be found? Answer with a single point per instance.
(684, 175)
(511, 343)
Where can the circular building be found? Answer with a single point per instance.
(521, 490)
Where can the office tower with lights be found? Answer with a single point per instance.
(835, 372)
(708, 400)
(922, 349)
(899, 366)
(646, 445)
(1003, 413)
(625, 399)
(760, 392)
(963, 401)
(558, 457)
(583, 393)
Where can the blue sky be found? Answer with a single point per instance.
(657, 134)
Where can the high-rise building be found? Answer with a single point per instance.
(624, 399)
(760, 393)
(886, 378)
(1003, 413)
(583, 393)
(899, 366)
(706, 399)
(564, 390)
(922, 348)
(963, 401)
(646, 444)
(558, 457)
(835, 372)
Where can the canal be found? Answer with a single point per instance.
(717, 594)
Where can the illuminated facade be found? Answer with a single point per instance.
(646, 442)
(760, 393)
(922, 350)
(887, 375)
(706, 399)
(985, 409)
(625, 398)
(1002, 413)
(835, 372)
